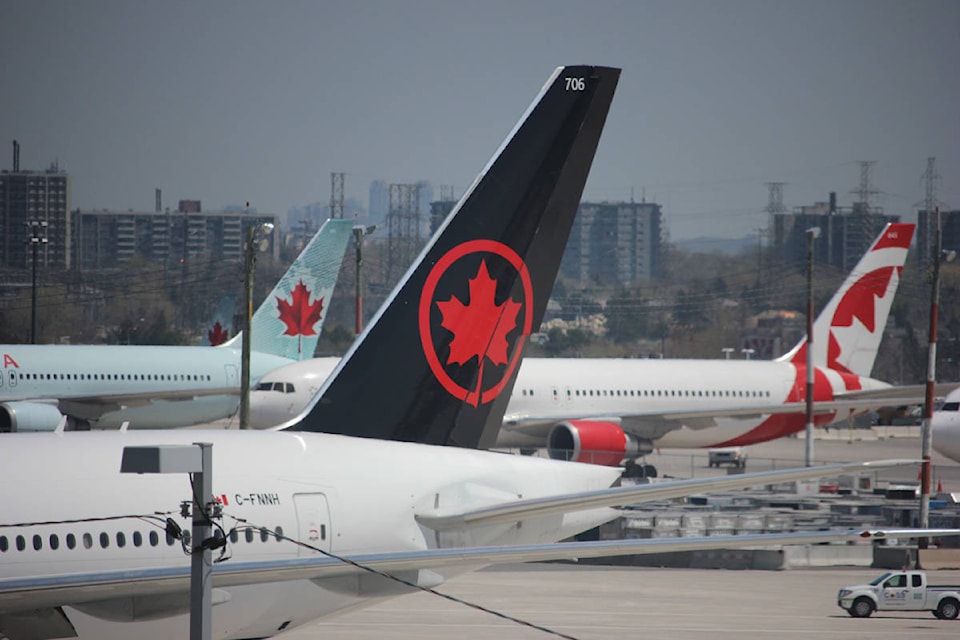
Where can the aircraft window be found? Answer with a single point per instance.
(323, 532)
(576, 392)
(279, 531)
(263, 386)
(208, 378)
(531, 391)
(185, 538)
(555, 393)
(170, 540)
(54, 541)
(87, 541)
(950, 406)
(37, 543)
(137, 539)
(234, 536)
(154, 539)
(104, 540)
(248, 535)
(21, 543)
(4, 545)
(618, 391)
(264, 535)
(71, 541)
(568, 393)
(591, 392)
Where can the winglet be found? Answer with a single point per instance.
(437, 363)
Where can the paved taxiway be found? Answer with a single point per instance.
(592, 602)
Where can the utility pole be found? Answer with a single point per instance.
(38, 236)
(249, 261)
(926, 432)
(812, 234)
(358, 233)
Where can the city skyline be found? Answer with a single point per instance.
(230, 103)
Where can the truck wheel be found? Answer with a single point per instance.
(948, 609)
(862, 608)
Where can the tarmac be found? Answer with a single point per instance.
(592, 602)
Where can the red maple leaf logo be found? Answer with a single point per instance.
(300, 314)
(217, 335)
(480, 327)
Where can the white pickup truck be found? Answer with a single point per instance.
(900, 591)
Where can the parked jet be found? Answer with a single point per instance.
(79, 559)
(944, 427)
(170, 386)
(607, 410)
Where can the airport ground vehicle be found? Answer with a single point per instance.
(900, 591)
(727, 455)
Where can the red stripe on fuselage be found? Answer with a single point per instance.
(782, 425)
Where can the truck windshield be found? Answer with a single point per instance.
(880, 579)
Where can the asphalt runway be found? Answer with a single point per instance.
(592, 602)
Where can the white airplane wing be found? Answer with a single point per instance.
(631, 494)
(38, 597)
(92, 407)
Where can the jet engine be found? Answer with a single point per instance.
(593, 441)
(28, 416)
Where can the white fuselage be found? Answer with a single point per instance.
(945, 427)
(549, 390)
(347, 495)
(108, 385)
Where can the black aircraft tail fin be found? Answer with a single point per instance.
(437, 363)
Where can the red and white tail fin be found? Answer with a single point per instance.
(848, 330)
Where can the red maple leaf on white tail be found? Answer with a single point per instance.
(480, 327)
(300, 315)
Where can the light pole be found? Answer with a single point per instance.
(812, 234)
(197, 460)
(254, 233)
(358, 233)
(937, 255)
(38, 236)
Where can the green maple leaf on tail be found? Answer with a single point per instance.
(300, 314)
(480, 327)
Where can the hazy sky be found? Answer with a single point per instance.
(229, 102)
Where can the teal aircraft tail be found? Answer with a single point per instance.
(220, 328)
(288, 322)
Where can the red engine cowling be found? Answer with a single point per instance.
(591, 441)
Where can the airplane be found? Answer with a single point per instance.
(104, 386)
(945, 427)
(91, 552)
(615, 410)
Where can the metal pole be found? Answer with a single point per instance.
(808, 448)
(926, 440)
(33, 293)
(201, 563)
(248, 257)
(358, 245)
(38, 236)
